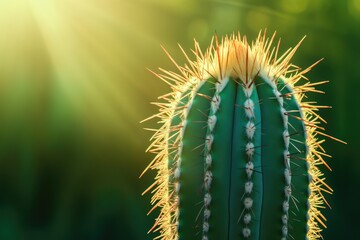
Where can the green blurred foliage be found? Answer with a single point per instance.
(74, 86)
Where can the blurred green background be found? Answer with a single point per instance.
(74, 86)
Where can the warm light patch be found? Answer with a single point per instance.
(80, 55)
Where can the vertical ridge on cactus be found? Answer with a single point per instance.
(237, 154)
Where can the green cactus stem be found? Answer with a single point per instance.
(238, 151)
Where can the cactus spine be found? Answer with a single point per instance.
(238, 150)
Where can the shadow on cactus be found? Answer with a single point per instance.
(237, 155)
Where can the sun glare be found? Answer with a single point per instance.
(76, 51)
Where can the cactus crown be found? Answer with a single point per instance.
(233, 59)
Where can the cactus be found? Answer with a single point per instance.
(237, 155)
